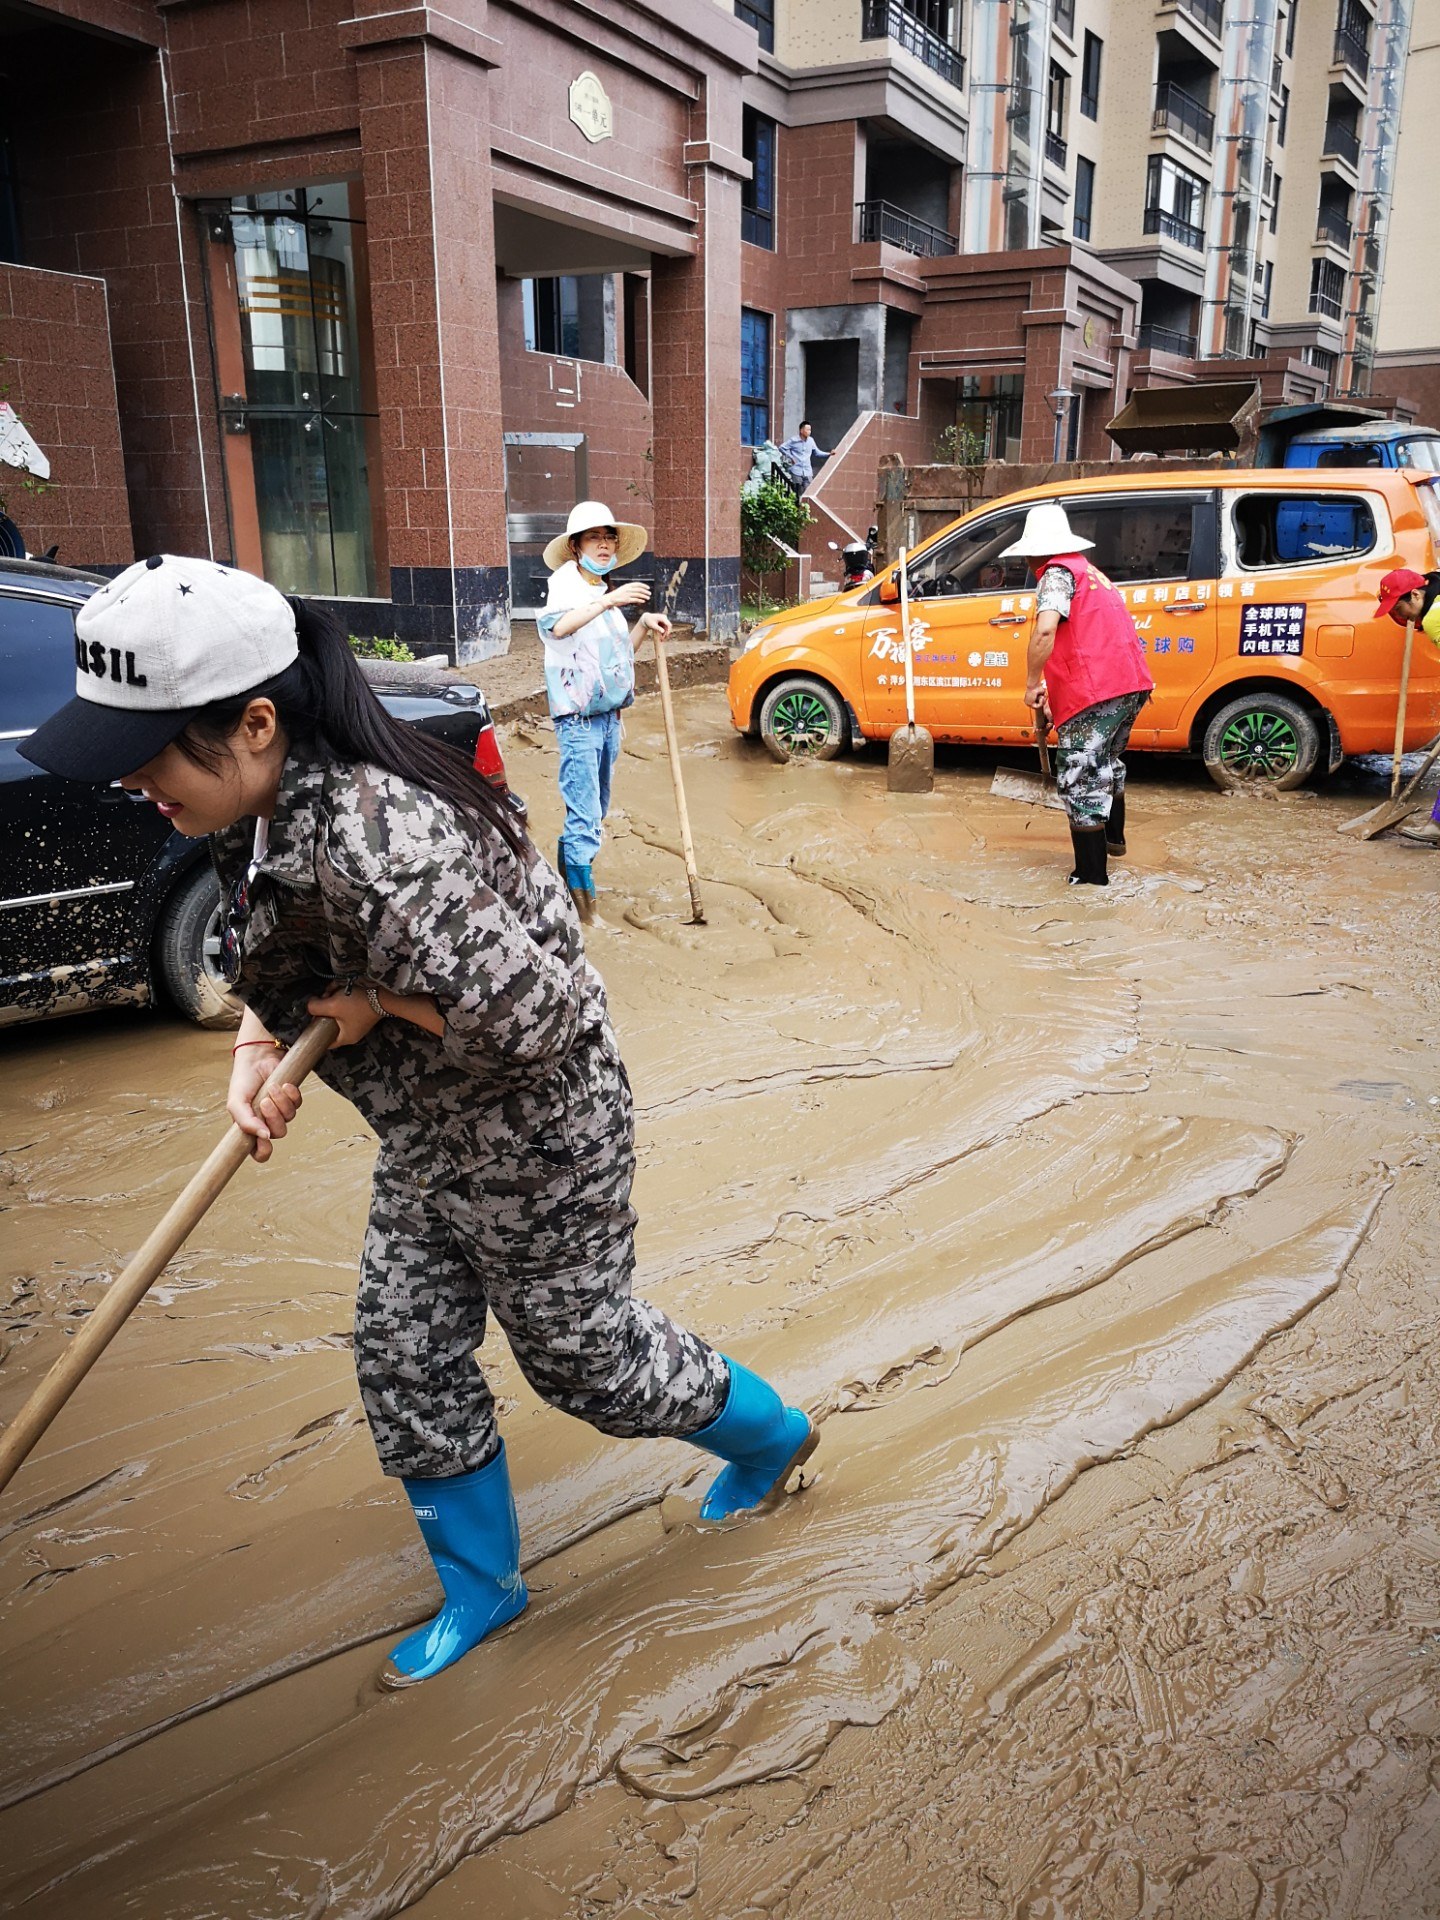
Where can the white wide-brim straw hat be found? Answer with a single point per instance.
(1047, 532)
(584, 518)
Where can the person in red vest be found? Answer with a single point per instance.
(1086, 668)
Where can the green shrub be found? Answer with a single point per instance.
(380, 649)
(769, 513)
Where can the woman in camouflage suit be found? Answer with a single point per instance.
(373, 876)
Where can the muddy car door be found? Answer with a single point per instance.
(1160, 550)
(70, 919)
(970, 613)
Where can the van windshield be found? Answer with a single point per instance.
(1422, 452)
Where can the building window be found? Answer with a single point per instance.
(1174, 202)
(759, 14)
(755, 329)
(298, 416)
(1290, 27)
(1276, 185)
(1084, 197)
(572, 315)
(1065, 18)
(757, 194)
(1090, 77)
(1283, 120)
(1327, 288)
(1266, 288)
(1055, 102)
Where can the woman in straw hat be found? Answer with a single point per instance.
(590, 673)
(1086, 675)
(374, 877)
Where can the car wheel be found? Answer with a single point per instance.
(802, 720)
(1262, 739)
(187, 951)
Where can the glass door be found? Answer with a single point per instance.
(545, 475)
(297, 412)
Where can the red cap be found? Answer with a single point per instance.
(1395, 586)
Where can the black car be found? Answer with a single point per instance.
(102, 902)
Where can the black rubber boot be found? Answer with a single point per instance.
(1115, 825)
(1089, 845)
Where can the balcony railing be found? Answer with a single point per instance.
(1157, 220)
(1056, 150)
(889, 20)
(893, 226)
(1183, 113)
(1351, 51)
(1167, 340)
(1210, 13)
(1331, 303)
(1333, 229)
(1342, 141)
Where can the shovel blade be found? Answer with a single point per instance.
(1389, 813)
(912, 761)
(1009, 785)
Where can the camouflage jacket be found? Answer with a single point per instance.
(369, 876)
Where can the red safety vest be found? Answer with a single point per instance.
(1097, 654)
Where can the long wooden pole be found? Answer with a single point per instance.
(129, 1288)
(1400, 710)
(687, 846)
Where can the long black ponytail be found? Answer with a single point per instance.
(325, 700)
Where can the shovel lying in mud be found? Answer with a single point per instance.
(912, 751)
(1038, 790)
(1398, 807)
(125, 1292)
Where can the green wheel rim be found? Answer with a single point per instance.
(1260, 745)
(801, 722)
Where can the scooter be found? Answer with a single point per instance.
(857, 559)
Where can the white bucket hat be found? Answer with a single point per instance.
(588, 515)
(1047, 532)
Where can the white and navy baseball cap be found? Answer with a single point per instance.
(162, 641)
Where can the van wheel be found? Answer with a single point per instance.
(802, 720)
(187, 952)
(1262, 739)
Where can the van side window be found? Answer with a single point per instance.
(1146, 537)
(969, 561)
(1297, 529)
(37, 660)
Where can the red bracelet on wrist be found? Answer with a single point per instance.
(255, 1043)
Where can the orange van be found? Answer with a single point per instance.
(1253, 591)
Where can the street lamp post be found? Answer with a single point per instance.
(1058, 400)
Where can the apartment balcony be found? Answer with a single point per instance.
(1057, 151)
(1333, 230)
(893, 227)
(1171, 227)
(1181, 112)
(1153, 339)
(1352, 52)
(1341, 143)
(1209, 13)
(1332, 304)
(889, 20)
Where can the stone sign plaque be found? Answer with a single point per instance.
(590, 107)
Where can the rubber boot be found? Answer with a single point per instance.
(763, 1440)
(1115, 826)
(469, 1525)
(1089, 845)
(580, 883)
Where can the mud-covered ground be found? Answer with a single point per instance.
(1098, 1230)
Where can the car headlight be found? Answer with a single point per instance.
(760, 633)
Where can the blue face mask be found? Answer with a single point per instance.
(600, 567)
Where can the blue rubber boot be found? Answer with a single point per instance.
(762, 1438)
(469, 1525)
(581, 883)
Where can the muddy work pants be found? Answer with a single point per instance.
(1089, 772)
(549, 1249)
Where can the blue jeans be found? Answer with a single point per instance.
(589, 748)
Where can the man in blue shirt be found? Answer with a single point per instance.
(801, 453)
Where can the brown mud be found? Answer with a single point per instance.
(1098, 1230)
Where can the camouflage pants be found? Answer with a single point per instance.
(1089, 772)
(546, 1243)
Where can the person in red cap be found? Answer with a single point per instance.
(1405, 596)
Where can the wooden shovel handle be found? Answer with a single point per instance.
(692, 872)
(1400, 710)
(164, 1242)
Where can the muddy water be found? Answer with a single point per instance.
(1095, 1229)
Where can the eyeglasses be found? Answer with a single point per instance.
(237, 916)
